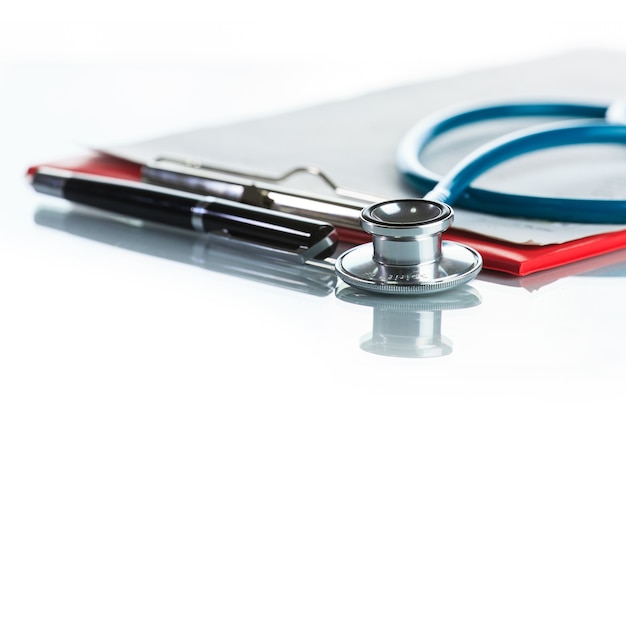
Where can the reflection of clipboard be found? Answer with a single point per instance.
(354, 141)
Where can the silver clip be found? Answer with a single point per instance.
(342, 211)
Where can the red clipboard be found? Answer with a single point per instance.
(498, 255)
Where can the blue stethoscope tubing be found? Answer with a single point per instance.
(591, 124)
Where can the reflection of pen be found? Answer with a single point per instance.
(213, 252)
(190, 211)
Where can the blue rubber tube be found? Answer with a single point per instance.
(455, 187)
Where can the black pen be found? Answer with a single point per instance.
(308, 237)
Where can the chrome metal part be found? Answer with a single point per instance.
(407, 254)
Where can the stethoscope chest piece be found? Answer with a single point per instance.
(407, 254)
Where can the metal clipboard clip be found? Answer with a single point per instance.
(343, 210)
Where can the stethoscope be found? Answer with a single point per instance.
(407, 254)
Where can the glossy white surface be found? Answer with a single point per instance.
(183, 445)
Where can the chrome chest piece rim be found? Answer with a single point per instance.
(407, 254)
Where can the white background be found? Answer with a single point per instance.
(352, 43)
(184, 447)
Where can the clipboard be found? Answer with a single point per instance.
(354, 142)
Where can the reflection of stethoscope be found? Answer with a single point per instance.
(409, 327)
(407, 254)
